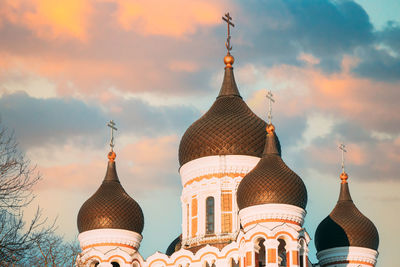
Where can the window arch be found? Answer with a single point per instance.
(303, 254)
(210, 215)
(282, 253)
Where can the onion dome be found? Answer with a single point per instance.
(346, 226)
(174, 246)
(271, 181)
(229, 127)
(111, 206)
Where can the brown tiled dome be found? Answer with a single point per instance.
(229, 127)
(346, 226)
(271, 181)
(111, 207)
(175, 245)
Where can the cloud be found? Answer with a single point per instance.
(284, 29)
(382, 60)
(144, 165)
(58, 121)
(368, 158)
(358, 111)
(39, 122)
(152, 163)
(167, 18)
(49, 19)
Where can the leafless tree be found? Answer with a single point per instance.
(17, 177)
(52, 250)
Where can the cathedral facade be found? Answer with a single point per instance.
(242, 206)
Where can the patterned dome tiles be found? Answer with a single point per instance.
(110, 207)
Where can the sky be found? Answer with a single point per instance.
(68, 67)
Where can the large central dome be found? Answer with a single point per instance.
(229, 127)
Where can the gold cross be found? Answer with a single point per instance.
(111, 124)
(228, 19)
(343, 148)
(269, 96)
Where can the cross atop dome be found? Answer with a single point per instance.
(111, 124)
(228, 19)
(343, 175)
(111, 154)
(270, 101)
(342, 147)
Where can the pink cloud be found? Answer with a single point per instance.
(145, 164)
(171, 18)
(374, 104)
(49, 19)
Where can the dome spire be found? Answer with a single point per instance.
(272, 145)
(110, 207)
(346, 226)
(229, 87)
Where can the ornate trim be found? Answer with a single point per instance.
(347, 254)
(216, 165)
(272, 213)
(100, 237)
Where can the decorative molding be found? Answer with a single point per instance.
(113, 237)
(270, 212)
(216, 165)
(347, 254)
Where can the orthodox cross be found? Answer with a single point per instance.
(228, 19)
(270, 100)
(343, 148)
(111, 124)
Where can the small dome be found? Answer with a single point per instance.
(111, 207)
(174, 246)
(346, 226)
(271, 181)
(229, 127)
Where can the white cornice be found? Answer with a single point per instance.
(270, 212)
(109, 236)
(217, 164)
(358, 254)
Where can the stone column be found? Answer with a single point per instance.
(292, 250)
(271, 252)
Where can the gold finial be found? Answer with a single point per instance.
(270, 128)
(111, 155)
(228, 59)
(343, 175)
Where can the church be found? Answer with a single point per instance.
(242, 206)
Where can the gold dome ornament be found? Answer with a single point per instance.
(229, 60)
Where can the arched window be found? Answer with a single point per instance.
(234, 264)
(115, 264)
(260, 254)
(282, 253)
(303, 256)
(210, 215)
